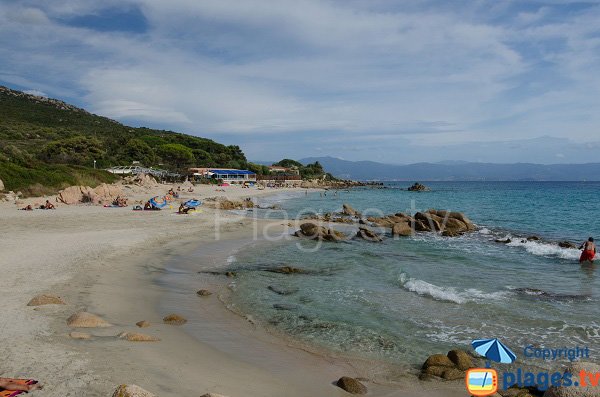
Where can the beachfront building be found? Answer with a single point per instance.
(278, 170)
(226, 175)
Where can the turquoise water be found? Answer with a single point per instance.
(404, 299)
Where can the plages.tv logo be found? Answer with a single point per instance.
(484, 381)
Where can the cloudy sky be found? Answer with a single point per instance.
(393, 81)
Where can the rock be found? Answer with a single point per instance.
(348, 210)
(80, 335)
(505, 241)
(143, 324)
(174, 319)
(351, 385)
(137, 337)
(402, 229)
(281, 291)
(86, 320)
(105, 193)
(453, 374)
(575, 368)
(41, 300)
(367, 234)
(284, 306)
(417, 187)
(567, 244)
(71, 195)
(316, 232)
(1, 186)
(287, 270)
(430, 221)
(533, 238)
(461, 359)
(131, 391)
(204, 292)
(438, 360)
(230, 274)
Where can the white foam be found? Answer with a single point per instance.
(448, 294)
(231, 259)
(485, 230)
(546, 249)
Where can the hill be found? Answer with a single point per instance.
(46, 144)
(457, 171)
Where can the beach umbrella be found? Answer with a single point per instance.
(494, 350)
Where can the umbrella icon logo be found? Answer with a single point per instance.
(494, 350)
(484, 381)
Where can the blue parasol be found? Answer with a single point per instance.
(494, 350)
(193, 203)
(158, 204)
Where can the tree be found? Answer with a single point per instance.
(138, 150)
(80, 150)
(288, 163)
(176, 155)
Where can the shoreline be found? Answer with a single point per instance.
(109, 265)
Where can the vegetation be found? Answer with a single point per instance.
(48, 142)
(309, 171)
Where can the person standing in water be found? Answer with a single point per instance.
(589, 251)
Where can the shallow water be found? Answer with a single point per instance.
(404, 299)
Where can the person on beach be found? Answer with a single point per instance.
(184, 209)
(28, 208)
(589, 251)
(11, 385)
(48, 206)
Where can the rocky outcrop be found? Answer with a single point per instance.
(351, 385)
(223, 203)
(448, 367)
(321, 233)
(137, 337)
(102, 194)
(417, 187)
(203, 292)
(86, 320)
(41, 300)
(582, 391)
(367, 234)
(567, 244)
(390, 220)
(131, 391)
(142, 179)
(402, 229)
(282, 291)
(174, 319)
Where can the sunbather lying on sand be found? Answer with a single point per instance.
(48, 206)
(28, 208)
(12, 385)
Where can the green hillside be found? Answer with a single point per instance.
(46, 144)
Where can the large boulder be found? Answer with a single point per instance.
(402, 229)
(431, 222)
(317, 232)
(71, 195)
(86, 320)
(367, 234)
(1, 186)
(105, 193)
(569, 391)
(438, 360)
(461, 359)
(351, 385)
(131, 391)
(41, 300)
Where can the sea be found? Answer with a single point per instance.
(403, 299)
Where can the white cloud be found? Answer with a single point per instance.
(359, 69)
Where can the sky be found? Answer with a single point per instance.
(391, 81)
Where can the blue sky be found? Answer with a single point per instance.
(391, 81)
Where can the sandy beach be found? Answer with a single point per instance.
(112, 262)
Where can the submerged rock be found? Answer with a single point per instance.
(351, 385)
(143, 324)
(505, 241)
(567, 244)
(80, 335)
(137, 337)
(287, 270)
(282, 291)
(285, 306)
(203, 292)
(348, 210)
(321, 233)
(86, 320)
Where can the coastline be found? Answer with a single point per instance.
(109, 265)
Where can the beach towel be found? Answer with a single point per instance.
(9, 393)
(587, 255)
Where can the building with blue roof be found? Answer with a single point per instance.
(227, 175)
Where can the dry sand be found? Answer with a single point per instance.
(108, 261)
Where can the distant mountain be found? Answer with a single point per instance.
(457, 171)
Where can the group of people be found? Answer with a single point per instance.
(46, 206)
(120, 202)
